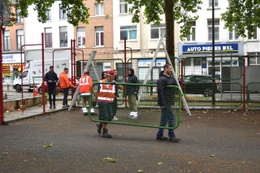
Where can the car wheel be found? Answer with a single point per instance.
(40, 91)
(207, 92)
(18, 88)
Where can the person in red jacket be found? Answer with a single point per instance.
(85, 84)
(65, 86)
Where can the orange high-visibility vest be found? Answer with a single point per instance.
(106, 92)
(85, 83)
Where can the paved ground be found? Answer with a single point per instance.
(66, 141)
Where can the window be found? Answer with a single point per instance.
(187, 62)
(197, 61)
(63, 36)
(99, 9)
(233, 34)
(99, 36)
(255, 59)
(130, 32)
(252, 35)
(192, 36)
(18, 17)
(48, 37)
(123, 6)
(216, 29)
(157, 31)
(24, 74)
(7, 40)
(48, 14)
(81, 34)
(215, 5)
(19, 38)
(62, 13)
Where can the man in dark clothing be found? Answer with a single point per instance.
(166, 100)
(131, 92)
(51, 79)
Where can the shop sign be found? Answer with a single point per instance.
(11, 58)
(207, 48)
(148, 62)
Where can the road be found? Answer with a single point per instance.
(65, 142)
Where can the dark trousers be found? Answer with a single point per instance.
(167, 116)
(114, 106)
(52, 96)
(105, 111)
(65, 96)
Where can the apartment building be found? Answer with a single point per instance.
(197, 48)
(141, 41)
(57, 34)
(13, 38)
(109, 23)
(97, 35)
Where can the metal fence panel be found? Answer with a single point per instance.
(149, 112)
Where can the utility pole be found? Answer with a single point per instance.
(4, 20)
(213, 52)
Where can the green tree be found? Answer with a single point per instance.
(180, 11)
(75, 9)
(242, 15)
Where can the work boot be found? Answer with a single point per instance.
(161, 138)
(174, 140)
(99, 127)
(106, 134)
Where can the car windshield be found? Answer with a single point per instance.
(193, 78)
(187, 77)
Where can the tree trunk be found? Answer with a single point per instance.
(169, 19)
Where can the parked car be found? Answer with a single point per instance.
(39, 88)
(200, 84)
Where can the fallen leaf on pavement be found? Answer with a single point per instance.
(110, 159)
(47, 145)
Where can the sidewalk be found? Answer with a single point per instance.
(31, 112)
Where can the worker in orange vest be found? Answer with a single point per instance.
(85, 84)
(105, 97)
(65, 85)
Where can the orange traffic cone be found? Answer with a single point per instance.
(35, 93)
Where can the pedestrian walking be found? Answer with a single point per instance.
(65, 85)
(166, 97)
(51, 79)
(131, 92)
(105, 98)
(85, 84)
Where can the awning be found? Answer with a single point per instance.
(14, 65)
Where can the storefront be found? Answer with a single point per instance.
(198, 57)
(143, 66)
(12, 65)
